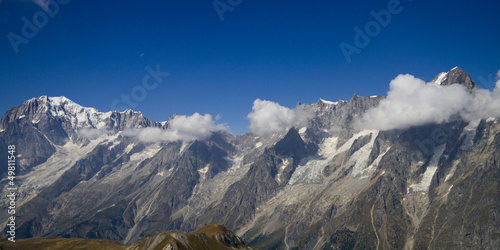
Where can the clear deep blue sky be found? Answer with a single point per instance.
(285, 51)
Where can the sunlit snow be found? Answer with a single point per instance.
(425, 183)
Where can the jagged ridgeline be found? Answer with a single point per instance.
(326, 184)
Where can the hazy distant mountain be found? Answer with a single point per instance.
(326, 185)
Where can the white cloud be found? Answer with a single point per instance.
(485, 103)
(146, 134)
(269, 117)
(91, 133)
(412, 102)
(194, 127)
(181, 127)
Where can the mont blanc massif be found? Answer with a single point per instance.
(343, 175)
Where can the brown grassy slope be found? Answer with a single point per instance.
(60, 244)
(209, 237)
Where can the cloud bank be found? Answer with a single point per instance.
(412, 102)
(91, 133)
(269, 117)
(181, 128)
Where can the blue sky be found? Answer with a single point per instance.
(93, 52)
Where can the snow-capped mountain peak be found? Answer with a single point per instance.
(69, 117)
(323, 184)
(328, 102)
(440, 78)
(455, 76)
(62, 107)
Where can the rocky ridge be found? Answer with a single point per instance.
(326, 185)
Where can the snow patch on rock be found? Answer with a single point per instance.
(425, 183)
(204, 170)
(469, 133)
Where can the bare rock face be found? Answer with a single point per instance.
(32, 146)
(455, 76)
(327, 185)
(209, 237)
(39, 125)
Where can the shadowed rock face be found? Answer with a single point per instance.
(39, 125)
(323, 186)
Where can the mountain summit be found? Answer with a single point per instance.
(40, 125)
(455, 76)
(73, 116)
(322, 184)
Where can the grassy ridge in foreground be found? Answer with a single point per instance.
(60, 244)
(209, 237)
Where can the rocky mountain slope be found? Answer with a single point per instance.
(326, 185)
(212, 236)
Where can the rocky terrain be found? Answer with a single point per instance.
(326, 185)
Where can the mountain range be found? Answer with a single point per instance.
(327, 184)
